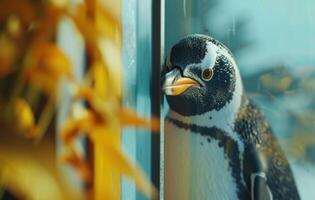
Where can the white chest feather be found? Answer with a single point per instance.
(195, 168)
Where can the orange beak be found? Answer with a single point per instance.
(179, 86)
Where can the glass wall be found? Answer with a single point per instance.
(139, 88)
(274, 46)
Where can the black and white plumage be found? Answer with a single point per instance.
(218, 144)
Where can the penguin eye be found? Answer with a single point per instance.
(207, 74)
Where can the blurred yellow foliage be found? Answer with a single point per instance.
(276, 83)
(28, 179)
(33, 65)
(48, 66)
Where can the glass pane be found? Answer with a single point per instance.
(136, 85)
(273, 45)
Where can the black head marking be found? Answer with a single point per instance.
(213, 96)
(188, 50)
(192, 49)
(188, 56)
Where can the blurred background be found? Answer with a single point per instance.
(64, 103)
(274, 46)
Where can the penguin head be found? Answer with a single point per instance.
(199, 76)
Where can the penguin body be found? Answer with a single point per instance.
(218, 144)
(190, 177)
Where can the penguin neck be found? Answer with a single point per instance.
(223, 119)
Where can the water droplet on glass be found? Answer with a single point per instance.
(233, 26)
(184, 7)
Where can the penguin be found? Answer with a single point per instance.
(217, 143)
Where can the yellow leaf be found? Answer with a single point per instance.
(24, 117)
(106, 147)
(111, 10)
(104, 108)
(129, 117)
(59, 3)
(52, 61)
(106, 177)
(85, 26)
(106, 24)
(97, 25)
(27, 179)
(74, 159)
(7, 56)
(50, 64)
(111, 53)
(72, 127)
(99, 76)
(14, 26)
